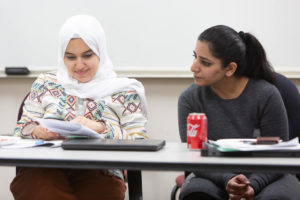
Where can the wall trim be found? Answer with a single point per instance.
(149, 72)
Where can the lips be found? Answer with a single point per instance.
(81, 72)
(197, 77)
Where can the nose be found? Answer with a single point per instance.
(195, 67)
(79, 62)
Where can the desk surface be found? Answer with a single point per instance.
(173, 157)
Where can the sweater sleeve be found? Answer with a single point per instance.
(32, 106)
(187, 103)
(124, 117)
(273, 119)
(220, 179)
(259, 181)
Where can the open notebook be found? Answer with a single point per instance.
(109, 144)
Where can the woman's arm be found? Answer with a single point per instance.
(124, 117)
(185, 107)
(273, 122)
(273, 117)
(32, 107)
(259, 181)
(97, 126)
(220, 179)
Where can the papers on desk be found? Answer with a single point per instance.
(250, 145)
(11, 142)
(248, 148)
(6, 140)
(68, 129)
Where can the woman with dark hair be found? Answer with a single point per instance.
(234, 87)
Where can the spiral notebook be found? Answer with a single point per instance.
(109, 144)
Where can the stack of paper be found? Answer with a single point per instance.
(250, 145)
(68, 129)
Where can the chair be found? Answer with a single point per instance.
(21, 107)
(291, 99)
(19, 117)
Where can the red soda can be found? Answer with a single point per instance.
(196, 130)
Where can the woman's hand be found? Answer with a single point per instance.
(91, 124)
(239, 188)
(249, 194)
(40, 132)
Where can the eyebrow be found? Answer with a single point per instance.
(88, 51)
(205, 59)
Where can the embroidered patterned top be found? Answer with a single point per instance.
(47, 99)
(121, 112)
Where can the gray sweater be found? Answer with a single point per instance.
(258, 107)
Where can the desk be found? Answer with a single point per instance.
(173, 157)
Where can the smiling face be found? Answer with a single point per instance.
(81, 62)
(207, 69)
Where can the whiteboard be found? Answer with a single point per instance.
(147, 33)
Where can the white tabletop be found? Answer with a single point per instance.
(173, 157)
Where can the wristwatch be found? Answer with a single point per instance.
(28, 128)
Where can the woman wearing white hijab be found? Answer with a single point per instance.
(85, 90)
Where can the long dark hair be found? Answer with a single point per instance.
(242, 48)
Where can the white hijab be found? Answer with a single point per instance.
(105, 83)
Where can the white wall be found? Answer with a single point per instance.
(144, 33)
(7, 174)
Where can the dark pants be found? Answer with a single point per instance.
(285, 188)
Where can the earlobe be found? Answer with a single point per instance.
(230, 69)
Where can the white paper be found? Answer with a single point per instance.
(247, 145)
(8, 140)
(67, 128)
(17, 142)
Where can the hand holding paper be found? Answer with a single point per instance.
(41, 132)
(68, 129)
(91, 124)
